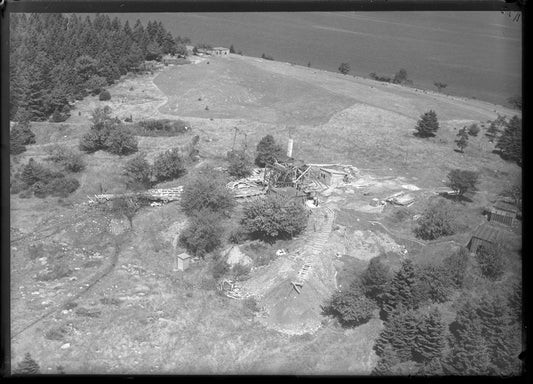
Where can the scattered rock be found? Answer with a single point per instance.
(65, 346)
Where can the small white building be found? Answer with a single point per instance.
(183, 261)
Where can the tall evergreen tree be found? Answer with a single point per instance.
(427, 125)
(430, 337)
(404, 289)
(510, 142)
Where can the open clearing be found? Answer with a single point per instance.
(120, 308)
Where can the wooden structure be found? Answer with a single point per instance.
(183, 261)
(503, 213)
(220, 51)
(484, 235)
(332, 177)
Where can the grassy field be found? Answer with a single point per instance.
(128, 312)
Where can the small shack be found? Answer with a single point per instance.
(503, 213)
(183, 260)
(332, 177)
(484, 235)
(220, 51)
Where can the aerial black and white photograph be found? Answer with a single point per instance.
(279, 193)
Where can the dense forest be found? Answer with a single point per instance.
(56, 58)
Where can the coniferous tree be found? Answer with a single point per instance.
(28, 366)
(374, 280)
(427, 125)
(469, 353)
(267, 151)
(510, 142)
(404, 289)
(430, 337)
(462, 139)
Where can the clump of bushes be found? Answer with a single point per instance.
(108, 134)
(491, 261)
(70, 160)
(350, 307)
(168, 165)
(104, 96)
(436, 221)
(399, 78)
(204, 233)
(240, 164)
(43, 182)
(59, 116)
(274, 217)
(138, 173)
(20, 136)
(162, 127)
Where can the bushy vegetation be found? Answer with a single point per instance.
(473, 129)
(47, 73)
(20, 136)
(427, 125)
(42, 181)
(400, 77)
(491, 261)
(58, 116)
(274, 217)
(108, 134)
(351, 307)
(70, 160)
(168, 165)
(462, 181)
(344, 68)
(138, 173)
(207, 190)
(462, 139)
(267, 57)
(436, 221)
(510, 142)
(240, 164)
(440, 85)
(127, 207)
(27, 366)
(204, 232)
(267, 151)
(161, 127)
(104, 96)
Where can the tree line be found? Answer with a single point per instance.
(56, 58)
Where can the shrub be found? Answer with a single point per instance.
(427, 125)
(21, 132)
(15, 146)
(473, 130)
(28, 366)
(491, 261)
(274, 217)
(162, 127)
(510, 142)
(63, 186)
(351, 308)
(34, 172)
(436, 221)
(121, 142)
(462, 139)
(71, 161)
(91, 142)
(344, 68)
(138, 173)
(267, 151)
(207, 190)
(104, 96)
(58, 117)
(168, 165)
(375, 279)
(203, 234)
(455, 266)
(240, 271)
(220, 269)
(439, 85)
(401, 77)
(240, 164)
(462, 181)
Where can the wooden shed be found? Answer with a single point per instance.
(484, 235)
(332, 176)
(503, 212)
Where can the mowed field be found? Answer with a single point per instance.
(123, 310)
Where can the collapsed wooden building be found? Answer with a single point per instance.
(485, 235)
